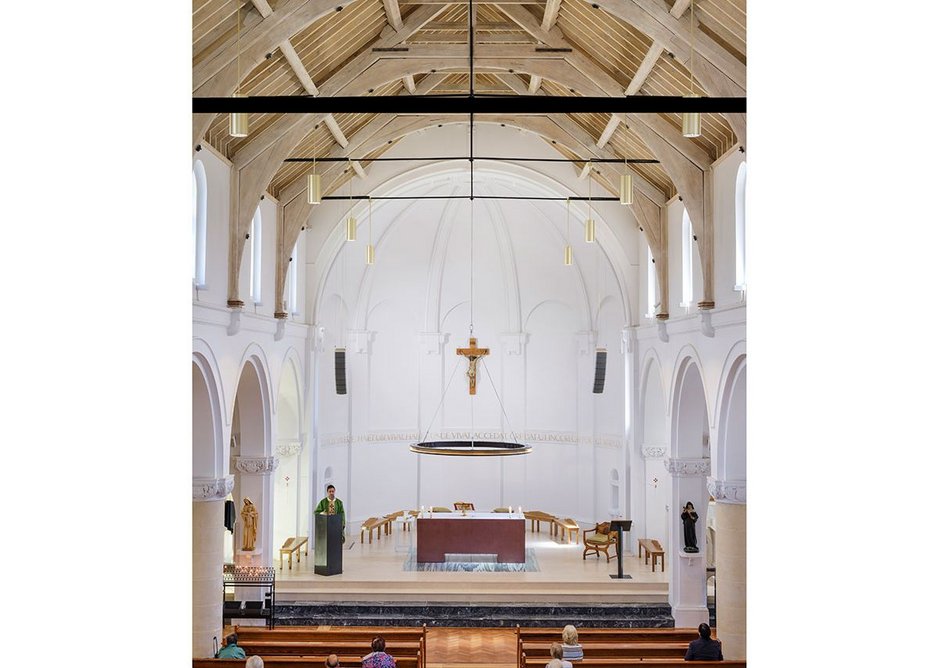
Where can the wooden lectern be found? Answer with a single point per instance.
(328, 551)
(620, 526)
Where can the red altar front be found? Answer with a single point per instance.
(480, 533)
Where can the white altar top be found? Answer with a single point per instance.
(470, 515)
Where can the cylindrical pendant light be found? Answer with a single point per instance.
(690, 120)
(238, 122)
(625, 189)
(590, 230)
(313, 186)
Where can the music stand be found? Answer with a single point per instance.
(620, 526)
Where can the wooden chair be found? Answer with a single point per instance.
(464, 505)
(601, 540)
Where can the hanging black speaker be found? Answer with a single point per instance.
(340, 371)
(599, 380)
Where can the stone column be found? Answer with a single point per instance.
(731, 566)
(688, 586)
(208, 528)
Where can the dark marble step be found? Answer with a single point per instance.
(474, 614)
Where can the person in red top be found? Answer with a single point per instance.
(704, 648)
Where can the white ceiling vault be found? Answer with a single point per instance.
(601, 48)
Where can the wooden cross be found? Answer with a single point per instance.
(472, 354)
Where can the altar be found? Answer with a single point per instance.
(501, 534)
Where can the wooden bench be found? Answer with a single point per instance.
(538, 517)
(400, 640)
(306, 661)
(592, 635)
(292, 545)
(540, 651)
(659, 662)
(652, 547)
(567, 528)
(373, 523)
(325, 647)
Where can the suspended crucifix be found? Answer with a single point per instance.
(473, 354)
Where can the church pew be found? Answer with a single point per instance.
(395, 637)
(390, 634)
(588, 635)
(311, 661)
(332, 646)
(538, 651)
(668, 662)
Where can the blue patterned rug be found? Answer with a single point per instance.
(478, 563)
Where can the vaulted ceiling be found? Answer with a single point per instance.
(324, 42)
(521, 47)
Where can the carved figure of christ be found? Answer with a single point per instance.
(472, 353)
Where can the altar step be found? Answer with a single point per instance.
(462, 590)
(396, 613)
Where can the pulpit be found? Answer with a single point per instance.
(620, 526)
(328, 551)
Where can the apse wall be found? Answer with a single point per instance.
(401, 320)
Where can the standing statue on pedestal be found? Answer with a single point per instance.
(689, 519)
(249, 532)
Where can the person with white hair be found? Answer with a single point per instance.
(254, 662)
(556, 657)
(572, 651)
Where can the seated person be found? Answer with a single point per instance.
(332, 661)
(556, 657)
(231, 649)
(254, 662)
(704, 649)
(378, 657)
(572, 651)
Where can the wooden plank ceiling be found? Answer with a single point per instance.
(614, 47)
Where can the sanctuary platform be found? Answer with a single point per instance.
(554, 573)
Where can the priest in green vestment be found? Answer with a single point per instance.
(331, 506)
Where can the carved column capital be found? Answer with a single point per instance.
(257, 465)
(654, 451)
(727, 491)
(586, 342)
(688, 468)
(212, 489)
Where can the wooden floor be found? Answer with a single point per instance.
(475, 648)
(375, 571)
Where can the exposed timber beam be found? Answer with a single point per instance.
(551, 10)
(607, 132)
(534, 85)
(393, 11)
(262, 8)
(409, 84)
(678, 8)
(647, 65)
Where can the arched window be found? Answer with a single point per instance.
(256, 238)
(651, 285)
(741, 228)
(290, 298)
(687, 262)
(199, 223)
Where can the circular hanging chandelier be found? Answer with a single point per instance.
(470, 448)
